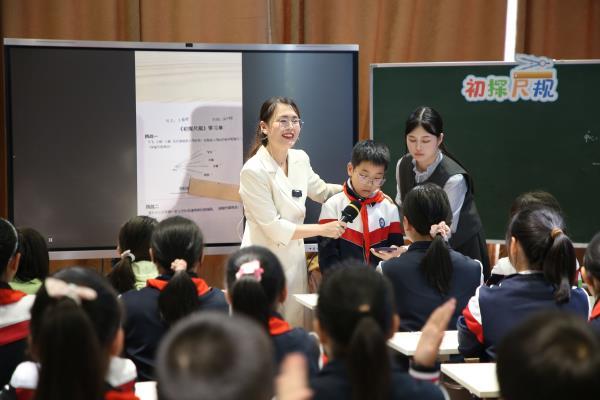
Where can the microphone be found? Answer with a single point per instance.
(349, 213)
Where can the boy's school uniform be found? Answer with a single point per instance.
(120, 378)
(144, 327)
(595, 317)
(416, 299)
(379, 214)
(15, 309)
(333, 383)
(495, 310)
(287, 340)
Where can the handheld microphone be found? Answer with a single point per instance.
(349, 213)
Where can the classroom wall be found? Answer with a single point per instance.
(386, 30)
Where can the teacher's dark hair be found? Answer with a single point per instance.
(423, 206)
(266, 113)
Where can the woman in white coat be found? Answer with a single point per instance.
(274, 184)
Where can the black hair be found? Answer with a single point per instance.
(209, 355)
(557, 353)
(249, 296)
(370, 151)
(9, 244)
(266, 113)
(35, 262)
(423, 206)
(177, 238)
(72, 342)
(540, 231)
(134, 236)
(535, 199)
(355, 309)
(430, 120)
(591, 259)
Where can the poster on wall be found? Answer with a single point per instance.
(189, 139)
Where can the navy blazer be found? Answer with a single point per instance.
(416, 298)
(144, 327)
(296, 340)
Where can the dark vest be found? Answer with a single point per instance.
(469, 223)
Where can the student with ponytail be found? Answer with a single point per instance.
(430, 272)
(544, 259)
(75, 340)
(256, 288)
(34, 264)
(590, 271)
(355, 318)
(176, 248)
(135, 266)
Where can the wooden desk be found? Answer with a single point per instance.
(146, 390)
(307, 300)
(406, 343)
(478, 378)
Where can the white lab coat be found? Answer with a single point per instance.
(272, 214)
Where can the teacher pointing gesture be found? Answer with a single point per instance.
(274, 184)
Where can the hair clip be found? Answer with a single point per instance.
(179, 265)
(128, 253)
(57, 288)
(441, 229)
(250, 268)
(555, 232)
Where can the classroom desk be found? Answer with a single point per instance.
(146, 390)
(478, 378)
(307, 300)
(406, 343)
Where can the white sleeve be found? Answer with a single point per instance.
(456, 189)
(398, 196)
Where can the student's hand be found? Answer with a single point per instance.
(386, 255)
(292, 382)
(333, 229)
(433, 333)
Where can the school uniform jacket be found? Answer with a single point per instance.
(144, 327)
(416, 298)
(287, 340)
(494, 310)
(333, 383)
(595, 317)
(14, 329)
(272, 213)
(378, 213)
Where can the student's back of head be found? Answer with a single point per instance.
(134, 245)
(75, 323)
(426, 206)
(255, 282)
(212, 356)
(535, 199)
(35, 261)
(545, 247)
(177, 238)
(355, 313)
(553, 355)
(372, 152)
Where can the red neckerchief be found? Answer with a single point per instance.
(364, 215)
(115, 395)
(9, 296)
(160, 284)
(595, 311)
(277, 326)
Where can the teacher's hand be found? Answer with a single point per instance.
(333, 229)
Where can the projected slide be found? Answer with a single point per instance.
(189, 139)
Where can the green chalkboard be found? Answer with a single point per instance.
(509, 147)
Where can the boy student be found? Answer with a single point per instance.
(377, 225)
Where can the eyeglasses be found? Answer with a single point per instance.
(286, 123)
(365, 180)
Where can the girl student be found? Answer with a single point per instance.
(544, 259)
(176, 249)
(355, 318)
(428, 160)
(256, 288)
(34, 264)
(429, 272)
(274, 184)
(134, 267)
(590, 272)
(75, 340)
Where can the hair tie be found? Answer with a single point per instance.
(440, 229)
(555, 232)
(57, 288)
(179, 265)
(250, 268)
(364, 309)
(128, 253)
